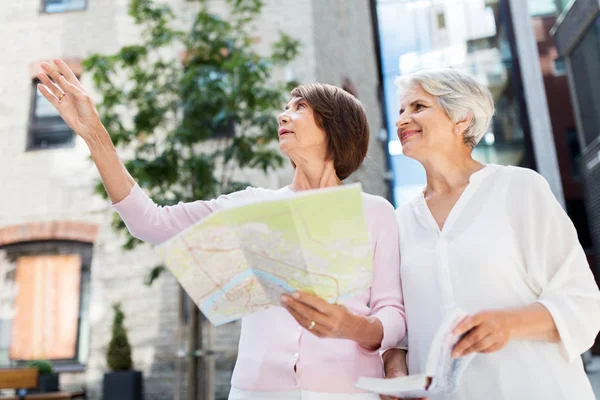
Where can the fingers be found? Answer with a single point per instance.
(467, 324)
(52, 72)
(68, 87)
(48, 95)
(472, 341)
(48, 84)
(312, 301)
(303, 313)
(480, 346)
(316, 328)
(67, 72)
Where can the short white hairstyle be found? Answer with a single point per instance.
(459, 95)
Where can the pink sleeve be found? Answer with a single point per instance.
(387, 303)
(154, 224)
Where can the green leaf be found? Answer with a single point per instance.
(188, 121)
(154, 274)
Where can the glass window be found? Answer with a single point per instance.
(46, 127)
(45, 309)
(57, 6)
(560, 67)
(585, 63)
(541, 7)
(471, 36)
(574, 152)
(563, 4)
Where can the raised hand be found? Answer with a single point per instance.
(65, 92)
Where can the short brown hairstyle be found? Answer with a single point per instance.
(344, 120)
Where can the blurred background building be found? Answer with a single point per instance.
(541, 61)
(62, 266)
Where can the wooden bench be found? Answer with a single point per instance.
(27, 378)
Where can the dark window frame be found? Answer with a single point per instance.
(44, 5)
(49, 126)
(52, 247)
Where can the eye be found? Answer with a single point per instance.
(419, 106)
(301, 105)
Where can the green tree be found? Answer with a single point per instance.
(183, 106)
(179, 104)
(118, 354)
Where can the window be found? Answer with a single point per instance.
(585, 63)
(563, 4)
(46, 127)
(57, 6)
(441, 20)
(560, 67)
(541, 7)
(574, 152)
(49, 316)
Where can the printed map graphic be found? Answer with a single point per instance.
(240, 260)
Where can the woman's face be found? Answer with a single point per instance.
(299, 134)
(423, 126)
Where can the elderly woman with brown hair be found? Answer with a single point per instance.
(493, 241)
(308, 348)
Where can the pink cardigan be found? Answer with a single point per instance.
(275, 353)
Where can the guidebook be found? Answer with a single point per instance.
(240, 260)
(442, 372)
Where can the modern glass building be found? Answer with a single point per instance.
(577, 37)
(541, 61)
(471, 35)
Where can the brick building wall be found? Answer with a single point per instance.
(48, 194)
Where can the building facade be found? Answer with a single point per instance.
(61, 264)
(540, 59)
(577, 38)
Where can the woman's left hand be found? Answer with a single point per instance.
(485, 332)
(320, 317)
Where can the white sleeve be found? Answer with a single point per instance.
(555, 261)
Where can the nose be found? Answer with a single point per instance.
(403, 120)
(283, 118)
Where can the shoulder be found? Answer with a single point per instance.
(248, 195)
(526, 182)
(406, 209)
(522, 176)
(377, 205)
(379, 212)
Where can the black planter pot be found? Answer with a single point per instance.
(123, 385)
(48, 383)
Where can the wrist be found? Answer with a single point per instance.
(394, 360)
(367, 332)
(513, 323)
(98, 139)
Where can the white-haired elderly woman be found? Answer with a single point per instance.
(494, 241)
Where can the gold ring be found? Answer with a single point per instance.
(312, 325)
(61, 96)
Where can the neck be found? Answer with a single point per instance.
(448, 173)
(314, 174)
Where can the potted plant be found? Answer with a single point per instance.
(123, 383)
(48, 379)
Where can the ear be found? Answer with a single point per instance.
(461, 126)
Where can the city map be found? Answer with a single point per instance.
(240, 260)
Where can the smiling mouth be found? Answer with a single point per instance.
(405, 135)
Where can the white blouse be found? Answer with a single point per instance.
(506, 243)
